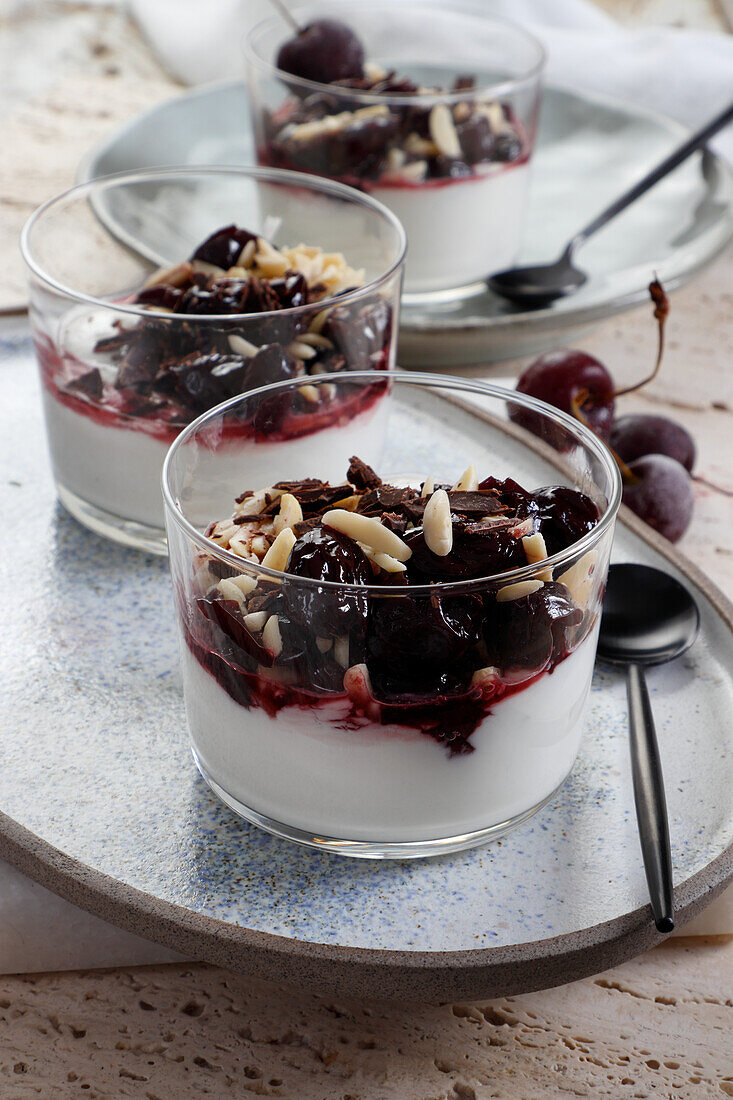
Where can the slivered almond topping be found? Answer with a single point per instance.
(437, 525)
(578, 579)
(315, 340)
(388, 563)
(271, 637)
(526, 527)
(310, 393)
(231, 591)
(536, 551)
(468, 481)
(255, 620)
(443, 131)
(240, 346)
(341, 650)
(203, 267)
(278, 556)
(485, 677)
(244, 583)
(316, 325)
(516, 591)
(247, 254)
(428, 487)
(369, 531)
(301, 350)
(176, 275)
(290, 513)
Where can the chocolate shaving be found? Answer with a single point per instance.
(361, 476)
(90, 384)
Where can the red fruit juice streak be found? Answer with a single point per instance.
(55, 367)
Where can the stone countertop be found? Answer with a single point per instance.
(655, 1026)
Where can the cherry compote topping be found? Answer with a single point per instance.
(170, 370)
(435, 660)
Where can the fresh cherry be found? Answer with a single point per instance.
(572, 381)
(324, 51)
(634, 436)
(661, 494)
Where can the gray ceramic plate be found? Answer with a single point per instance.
(590, 148)
(102, 803)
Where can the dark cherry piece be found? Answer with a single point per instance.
(531, 632)
(662, 494)
(572, 381)
(324, 51)
(327, 555)
(640, 434)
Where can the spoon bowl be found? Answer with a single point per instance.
(648, 617)
(535, 287)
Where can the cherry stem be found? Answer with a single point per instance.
(661, 312)
(287, 15)
(576, 404)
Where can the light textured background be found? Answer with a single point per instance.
(659, 1025)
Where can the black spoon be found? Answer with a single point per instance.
(648, 618)
(534, 287)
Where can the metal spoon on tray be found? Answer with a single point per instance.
(649, 618)
(535, 287)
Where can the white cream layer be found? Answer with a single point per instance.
(460, 232)
(389, 783)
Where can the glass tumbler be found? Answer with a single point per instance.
(440, 127)
(417, 704)
(157, 295)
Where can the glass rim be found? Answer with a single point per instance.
(426, 380)
(282, 176)
(494, 90)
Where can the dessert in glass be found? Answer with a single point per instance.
(155, 296)
(433, 112)
(394, 661)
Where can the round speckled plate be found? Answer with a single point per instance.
(590, 148)
(102, 804)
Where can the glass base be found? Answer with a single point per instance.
(380, 849)
(124, 531)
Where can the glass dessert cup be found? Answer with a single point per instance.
(415, 705)
(156, 295)
(452, 164)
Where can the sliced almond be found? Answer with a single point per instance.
(525, 527)
(428, 487)
(231, 591)
(244, 583)
(536, 551)
(290, 513)
(485, 678)
(437, 524)
(388, 563)
(243, 347)
(255, 620)
(579, 579)
(259, 545)
(369, 531)
(443, 131)
(247, 254)
(278, 556)
(468, 481)
(315, 340)
(271, 637)
(516, 591)
(203, 267)
(319, 321)
(176, 275)
(341, 650)
(310, 393)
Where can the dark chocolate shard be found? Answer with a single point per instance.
(361, 476)
(89, 384)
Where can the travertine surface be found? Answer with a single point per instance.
(658, 1026)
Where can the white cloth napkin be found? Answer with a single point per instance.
(687, 74)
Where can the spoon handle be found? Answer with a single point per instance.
(682, 152)
(651, 806)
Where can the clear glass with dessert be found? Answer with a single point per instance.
(389, 654)
(433, 111)
(155, 296)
